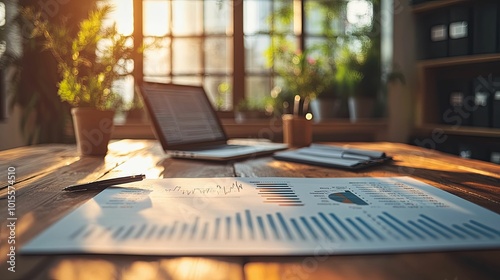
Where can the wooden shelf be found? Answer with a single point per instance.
(429, 6)
(461, 130)
(459, 60)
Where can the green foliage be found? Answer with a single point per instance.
(253, 105)
(89, 62)
(339, 65)
(302, 72)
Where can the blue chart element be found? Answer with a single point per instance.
(278, 193)
(426, 227)
(347, 197)
(276, 227)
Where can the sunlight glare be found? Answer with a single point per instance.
(123, 15)
(359, 13)
(156, 18)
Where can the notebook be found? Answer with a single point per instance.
(187, 126)
(334, 156)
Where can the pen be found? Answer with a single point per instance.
(102, 184)
(296, 105)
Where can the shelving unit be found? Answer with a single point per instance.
(431, 70)
(433, 5)
(429, 114)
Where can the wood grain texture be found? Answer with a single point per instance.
(43, 171)
(456, 265)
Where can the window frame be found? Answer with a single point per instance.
(239, 73)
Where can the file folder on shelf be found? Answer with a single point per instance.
(437, 34)
(496, 103)
(334, 156)
(485, 28)
(460, 37)
(455, 96)
(483, 92)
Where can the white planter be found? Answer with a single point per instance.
(325, 108)
(361, 108)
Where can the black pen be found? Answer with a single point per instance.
(97, 185)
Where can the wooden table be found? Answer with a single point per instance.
(42, 171)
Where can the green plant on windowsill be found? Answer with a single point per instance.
(89, 62)
(359, 80)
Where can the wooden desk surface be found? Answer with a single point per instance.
(42, 171)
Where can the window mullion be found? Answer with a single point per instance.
(238, 54)
(138, 38)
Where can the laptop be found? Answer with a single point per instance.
(187, 126)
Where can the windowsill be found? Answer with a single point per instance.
(331, 130)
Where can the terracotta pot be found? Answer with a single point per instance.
(92, 130)
(297, 131)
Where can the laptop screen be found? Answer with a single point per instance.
(182, 114)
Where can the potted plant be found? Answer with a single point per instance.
(308, 74)
(358, 77)
(88, 64)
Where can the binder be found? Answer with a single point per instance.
(458, 31)
(496, 103)
(482, 102)
(437, 34)
(456, 101)
(486, 30)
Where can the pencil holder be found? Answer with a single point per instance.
(297, 131)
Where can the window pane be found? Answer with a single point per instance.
(123, 15)
(157, 59)
(256, 15)
(186, 55)
(218, 16)
(219, 91)
(156, 18)
(359, 15)
(125, 87)
(285, 22)
(258, 87)
(217, 56)
(2, 14)
(187, 17)
(325, 17)
(255, 48)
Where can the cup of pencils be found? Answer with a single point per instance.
(297, 129)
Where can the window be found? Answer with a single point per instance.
(221, 44)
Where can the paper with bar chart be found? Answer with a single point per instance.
(271, 216)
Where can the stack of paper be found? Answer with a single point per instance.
(334, 156)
